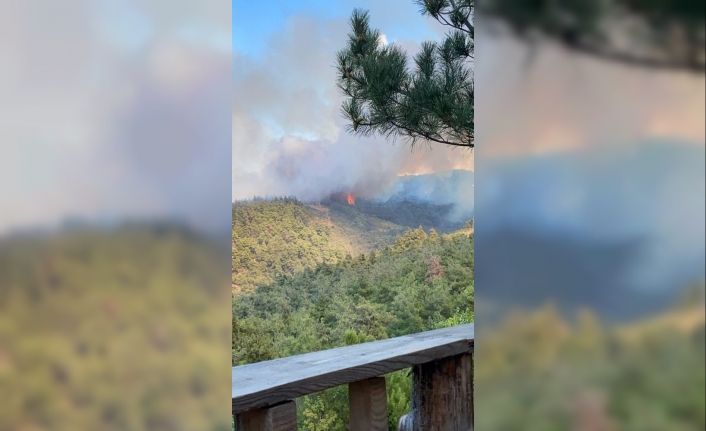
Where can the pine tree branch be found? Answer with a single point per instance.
(471, 29)
(672, 31)
(415, 134)
(633, 60)
(443, 21)
(431, 103)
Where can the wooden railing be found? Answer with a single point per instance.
(442, 389)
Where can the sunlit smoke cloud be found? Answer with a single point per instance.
(454, 188)
(288, 133)
(546, 100)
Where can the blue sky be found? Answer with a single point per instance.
(255, 22)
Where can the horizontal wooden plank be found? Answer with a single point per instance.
(270, 382)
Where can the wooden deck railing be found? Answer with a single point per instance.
(442, 389)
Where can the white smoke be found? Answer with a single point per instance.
(288, 133)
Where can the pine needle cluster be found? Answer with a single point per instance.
(428, 101)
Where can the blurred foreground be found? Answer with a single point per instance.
(590, 196)
(114, 330)
(538, 373)
(112, 111)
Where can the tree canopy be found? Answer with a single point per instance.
(429, 102)
(422, 281)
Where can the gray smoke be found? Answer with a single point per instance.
(454, 188)
(590, 179)
(613, 228)
(288, 133)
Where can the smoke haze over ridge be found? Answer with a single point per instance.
(288, 133)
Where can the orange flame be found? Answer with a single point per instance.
(351, 199)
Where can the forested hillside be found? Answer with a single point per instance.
(277, 237)
(284, 236)
(112, 330)
(411, 213)
(423, 280)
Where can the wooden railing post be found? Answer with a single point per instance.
(442, 396)
(368, 405)
(282, 417)
(443, 382)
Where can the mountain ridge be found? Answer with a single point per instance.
(282, 236)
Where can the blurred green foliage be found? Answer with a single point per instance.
(536, 372)
(113, 330)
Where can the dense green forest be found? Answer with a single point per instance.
(413, 285)
(284, 236)
(409, 283)
(113, 330)
(278, 237)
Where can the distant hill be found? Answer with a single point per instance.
(621, 232)
(686, 316)
(446, 194)
(682, 320)
(451, 187)
(412, 214)
(283, 236)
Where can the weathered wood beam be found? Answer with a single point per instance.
(282, 417)
(442, 396)
(368, 405)
(267, 383)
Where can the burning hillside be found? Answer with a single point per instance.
(344, 197)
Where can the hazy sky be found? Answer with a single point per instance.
(288, 136)
(558, 102)
(254, 23)
(112, 109)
